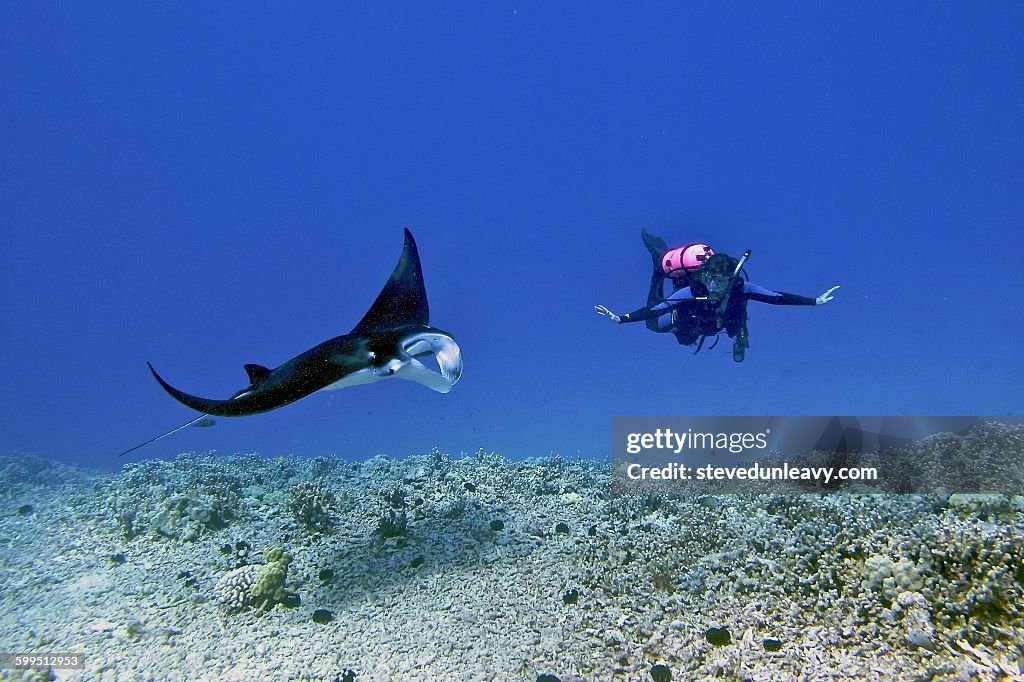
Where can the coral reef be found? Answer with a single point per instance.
(988, 459)
(184, 499)
(567, 579)
(256, 586)
(29, 470)
(392, 524)
(890, 578)
(232, 590)
(310, 505)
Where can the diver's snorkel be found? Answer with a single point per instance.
(739, 266)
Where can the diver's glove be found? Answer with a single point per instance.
(604, 312)
(825, 297)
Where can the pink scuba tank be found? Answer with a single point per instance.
(682, 261)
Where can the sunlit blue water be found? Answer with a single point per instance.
(207, 187)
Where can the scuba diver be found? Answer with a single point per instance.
(709, 295)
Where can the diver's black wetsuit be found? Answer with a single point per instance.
(689, 318)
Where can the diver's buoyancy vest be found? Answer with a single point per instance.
(715, 285)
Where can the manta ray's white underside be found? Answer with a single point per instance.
(406, 365)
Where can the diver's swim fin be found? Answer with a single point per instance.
(655, 292)
(656, 246)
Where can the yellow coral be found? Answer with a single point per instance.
(268, 588)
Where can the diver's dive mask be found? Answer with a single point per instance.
(710, 286)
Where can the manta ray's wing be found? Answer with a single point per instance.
(403, 300)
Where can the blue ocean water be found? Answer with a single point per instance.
(203, 187)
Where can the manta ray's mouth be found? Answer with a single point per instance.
(444, 350)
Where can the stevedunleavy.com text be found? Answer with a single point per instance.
(754, 472)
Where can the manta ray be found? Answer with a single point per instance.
(390, 341)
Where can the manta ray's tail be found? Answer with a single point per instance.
(164, 435)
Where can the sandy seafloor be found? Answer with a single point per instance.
(504, 570)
